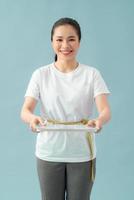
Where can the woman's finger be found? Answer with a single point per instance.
(91, 123)
(98, 130)
(41, 121)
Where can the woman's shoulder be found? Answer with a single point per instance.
(89, 68)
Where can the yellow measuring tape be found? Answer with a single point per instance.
(89, 138)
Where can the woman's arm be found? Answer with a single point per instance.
(103, 110)
(27, 113)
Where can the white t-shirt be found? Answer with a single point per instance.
(65, 97)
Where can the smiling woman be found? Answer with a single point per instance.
(65, 43)
(65, 37)
(67, 91)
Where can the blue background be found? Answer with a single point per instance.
(107, 44)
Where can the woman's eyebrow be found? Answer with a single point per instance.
(59, 36)
(71, 36)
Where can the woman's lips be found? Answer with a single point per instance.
(66, 52)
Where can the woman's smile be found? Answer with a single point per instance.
(66, 52)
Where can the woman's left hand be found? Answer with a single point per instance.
(96, 123)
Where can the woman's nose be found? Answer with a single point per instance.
(65, 44)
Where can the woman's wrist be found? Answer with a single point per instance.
(101, 120)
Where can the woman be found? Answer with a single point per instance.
(67, 91)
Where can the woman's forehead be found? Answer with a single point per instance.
(66, 30)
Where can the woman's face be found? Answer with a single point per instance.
(65, 42)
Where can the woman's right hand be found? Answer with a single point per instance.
(36, 120)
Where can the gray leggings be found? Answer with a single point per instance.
(60, 181)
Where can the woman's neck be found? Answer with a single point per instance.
(66, 66)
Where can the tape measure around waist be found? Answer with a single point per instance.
(89, 138)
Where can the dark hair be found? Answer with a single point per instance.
(66, 21)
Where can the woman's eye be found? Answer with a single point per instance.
(72, 40)
(59, 40)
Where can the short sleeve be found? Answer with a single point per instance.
(33, 89)
(99, 85)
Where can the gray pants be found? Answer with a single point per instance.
(60, 181)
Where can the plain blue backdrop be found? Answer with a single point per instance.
(107, 44)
